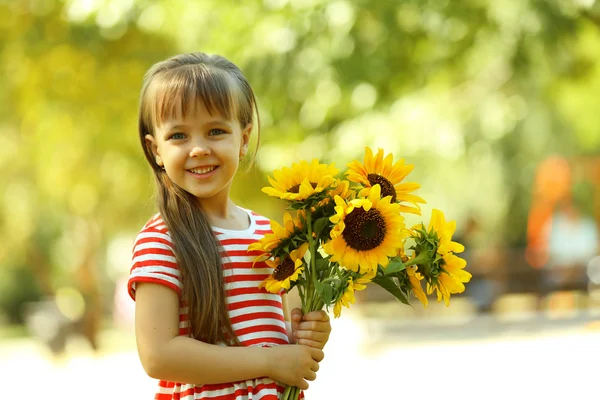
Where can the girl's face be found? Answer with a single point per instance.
(200, 152)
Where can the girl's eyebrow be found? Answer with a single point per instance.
(176, 126)
(218, 122)
(182, 126)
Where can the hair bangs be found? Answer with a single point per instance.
(171, 94)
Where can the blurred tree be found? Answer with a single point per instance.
(72, 175)
(488, 88)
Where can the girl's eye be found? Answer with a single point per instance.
(216, 132)
(177, 135)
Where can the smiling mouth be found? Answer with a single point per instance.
(202, 171)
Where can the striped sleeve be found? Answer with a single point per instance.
(153, 260)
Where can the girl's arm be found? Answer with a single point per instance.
(166, 355)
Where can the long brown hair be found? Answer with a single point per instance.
(169, 86)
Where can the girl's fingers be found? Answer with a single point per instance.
(316, 316)
(311, 343)
(295, 318)
(303, 385)
(312, 335)
(317, 354)
(296, 315)
(315, 366)
(317, 326)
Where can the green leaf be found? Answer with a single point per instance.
(298, 205)
(336, 282)
(322, 263)
(389, 285)
(395, 265)
(325, 292)
(319, 225)
(292, 285)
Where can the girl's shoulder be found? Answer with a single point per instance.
(154, 229)
(156, 224)
(153, 258)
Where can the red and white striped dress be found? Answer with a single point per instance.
(256, 315)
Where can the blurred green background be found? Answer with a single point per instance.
(477, 94)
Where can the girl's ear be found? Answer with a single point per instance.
(245, 140)
(151, 143)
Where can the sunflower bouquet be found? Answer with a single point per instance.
(341, 233)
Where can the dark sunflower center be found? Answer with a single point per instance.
(284, 270)
(365, 230)
(387, 189)
(296, 188)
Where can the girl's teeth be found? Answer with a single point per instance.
(202, 170)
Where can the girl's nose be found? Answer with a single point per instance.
(198, 151)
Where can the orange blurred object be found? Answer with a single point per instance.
(552, 186)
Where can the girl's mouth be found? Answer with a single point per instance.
(203, 170)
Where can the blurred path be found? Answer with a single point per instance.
(363, 361)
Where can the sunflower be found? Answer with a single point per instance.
(445, 274)
(271, 241)
(285, 271)
(347, 297)
(366, 232)
(377, 170)
(341, 188)
(301, 181)
(451, 280)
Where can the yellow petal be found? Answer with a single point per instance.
(410, 198)
(337, 309)
(450, 247)
(437, 220)
(453, 263)
(417, 290)
(400, 171)
(451, 284)
(374, 194)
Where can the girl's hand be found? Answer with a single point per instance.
(312, 329)
(293, 365)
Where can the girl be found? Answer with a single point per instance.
(203, 327)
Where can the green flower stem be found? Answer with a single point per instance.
(332, 268)
(310, 298)
(318, 305)
(332, 278)
(291, 393)
(423, 258)
(300, 292)
(287, 394)
(311, 289)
